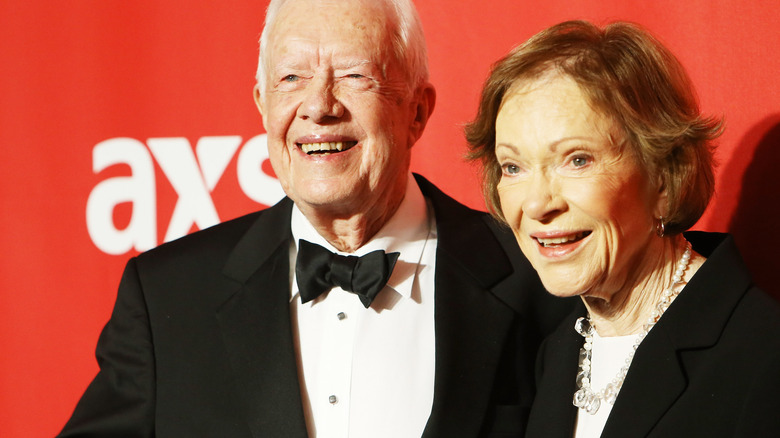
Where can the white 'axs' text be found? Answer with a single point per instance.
(192, 172)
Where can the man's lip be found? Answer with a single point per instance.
(324, 138)
(323, 145)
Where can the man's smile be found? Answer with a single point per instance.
(326, 147)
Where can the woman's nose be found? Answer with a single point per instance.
(543, 200)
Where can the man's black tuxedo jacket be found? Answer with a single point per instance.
(199, 343)
(709, 368)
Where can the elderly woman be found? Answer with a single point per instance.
(596, 155)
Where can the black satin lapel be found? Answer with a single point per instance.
(654, 382)
(256, 327)
(471, 326)
(270, 230)
(471, 322)
(257, 334)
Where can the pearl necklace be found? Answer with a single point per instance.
(589, 400)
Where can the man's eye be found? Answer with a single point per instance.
(290, 78)
(355, 76)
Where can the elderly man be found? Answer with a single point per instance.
(365, 304)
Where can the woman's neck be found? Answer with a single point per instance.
(625, 312)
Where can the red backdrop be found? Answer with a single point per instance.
(124, 124)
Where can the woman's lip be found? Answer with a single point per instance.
(556, 234)
(550, 245)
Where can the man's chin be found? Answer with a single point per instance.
(328, 200)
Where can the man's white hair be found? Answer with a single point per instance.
(408, 41)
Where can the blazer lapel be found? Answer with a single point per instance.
(471, 322)
(654, 381)
(553, 414)
(256, 328)
(694, 321)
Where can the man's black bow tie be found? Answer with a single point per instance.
(317, 270)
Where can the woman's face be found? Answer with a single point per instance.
(582, 211)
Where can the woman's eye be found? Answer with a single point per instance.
(510, 169)
(290, 78)
(580, 161)
(355, 76)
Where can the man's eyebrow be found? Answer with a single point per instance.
(338, 65)
(352, 63)
(286, 64)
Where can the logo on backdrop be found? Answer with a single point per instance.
(193, 175)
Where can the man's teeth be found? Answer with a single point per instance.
(333, 146)
(560, 240)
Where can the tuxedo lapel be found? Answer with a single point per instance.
(471, 327)
(256, 328)
(471, 323)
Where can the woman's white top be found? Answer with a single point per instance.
(607, 357)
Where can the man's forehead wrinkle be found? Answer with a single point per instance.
(296, 52)
(348, 63)
(363, 16)
(336, 35)
(323, 57)
(299, 52)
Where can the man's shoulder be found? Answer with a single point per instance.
(442, 201)
(214, 238)
(464, 230)
(450, 213)
(216, 242)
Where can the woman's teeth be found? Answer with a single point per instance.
(562, 239)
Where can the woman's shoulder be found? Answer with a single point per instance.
(726, 282)
(759, 312)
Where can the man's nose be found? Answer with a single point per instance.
(320, 101)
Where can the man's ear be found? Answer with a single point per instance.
(259, 102)
(423, 103)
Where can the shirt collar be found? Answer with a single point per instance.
(406, 232)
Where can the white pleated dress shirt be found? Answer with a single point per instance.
(370, 372)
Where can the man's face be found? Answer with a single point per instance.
(340, 116)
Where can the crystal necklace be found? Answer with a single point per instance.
(589, 400)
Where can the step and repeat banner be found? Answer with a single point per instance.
(124, 125)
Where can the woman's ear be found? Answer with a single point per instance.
(662, 200)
